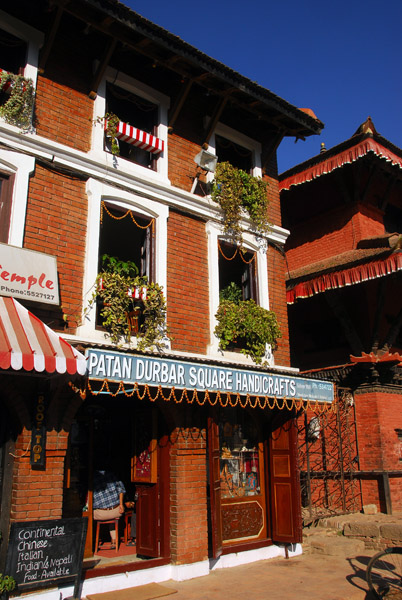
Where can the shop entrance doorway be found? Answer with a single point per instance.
(253, 485)
(126, 437)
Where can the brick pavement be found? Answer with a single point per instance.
(306, 577)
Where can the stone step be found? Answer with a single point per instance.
(333, 545)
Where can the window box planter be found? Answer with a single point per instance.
(247, 326)
(17, 109)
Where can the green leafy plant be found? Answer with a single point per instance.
(234, 189)
(114, 292)
(112, 264)
(231, 292)
(112, 122)
(17, 109)
(7, 584)
(247, 324)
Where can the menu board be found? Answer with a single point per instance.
(41, 552)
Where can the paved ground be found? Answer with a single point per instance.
(306, 577)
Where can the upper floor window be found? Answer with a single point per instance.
(135, 132)
(142, 114)
(125, 266)
(238, 156)
(19, 50)
(128, 236)
(237, 273)
(237, 149)
(13, 53)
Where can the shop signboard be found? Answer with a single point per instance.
(130, 368)
(41, 553)
(28, 275)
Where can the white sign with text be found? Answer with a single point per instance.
(28, 275)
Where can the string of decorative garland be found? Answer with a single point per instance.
(129, 212)
(261, 402)
(247, 262)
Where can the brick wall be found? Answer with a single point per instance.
(187, 283)
(63, 114)
(188, 499)
(56, 224)
(38, 494)
(337, 232)
(378, 416)
(182, 168)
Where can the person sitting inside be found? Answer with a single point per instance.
(108, 494)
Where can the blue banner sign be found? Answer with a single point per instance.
(129, 368)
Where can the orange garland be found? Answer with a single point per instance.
(247, 262)
(129, 212)
(229, 400)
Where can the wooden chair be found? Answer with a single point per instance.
(127, 525)
(98, 526)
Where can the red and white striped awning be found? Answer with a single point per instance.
(139, 138)
(345, 277)
(27, 343)
(327, 165)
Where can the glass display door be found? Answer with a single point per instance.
(242, 477)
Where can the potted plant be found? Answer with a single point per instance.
(7, 583)
(244, 324)
(235, 190)
(129, 304)
(19, 95)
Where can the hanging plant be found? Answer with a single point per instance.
(118, 291)
(17, 109)
(111, 122)
(234, 189)
(244, 323)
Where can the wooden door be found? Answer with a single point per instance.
(148, 520)
(215, 488)
(285, 489)
(145, 475)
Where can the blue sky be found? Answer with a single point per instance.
(342, 60)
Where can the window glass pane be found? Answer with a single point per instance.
(239, 456)
(236, 155)
(126, 239)
(239, 271)
(12, 52)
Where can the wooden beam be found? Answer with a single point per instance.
(393, 332)
(372, 172)
(339, 310)
(269, 150)
(102, 68)
(214, 119)
(378, 313)
(179, 104)
(390, 186)
(342, 187)
(44, 54)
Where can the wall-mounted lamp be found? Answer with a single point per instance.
(314, 429)
(206, 160)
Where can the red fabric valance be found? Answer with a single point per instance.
(334, 162)
(339, 279)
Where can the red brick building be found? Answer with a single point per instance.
(203, 434)
(344, 210)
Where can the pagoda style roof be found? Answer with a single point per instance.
(374, 257)
(364, 142)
